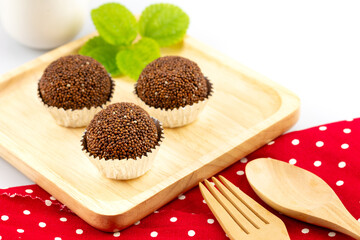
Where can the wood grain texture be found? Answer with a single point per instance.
(246, 111)
(300, 194)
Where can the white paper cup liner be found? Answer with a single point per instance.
(78, 117)
(178, 117)
(124, 169)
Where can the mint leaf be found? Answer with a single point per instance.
(115, 23)
(163, 22)
(134, 59)
(103, 52)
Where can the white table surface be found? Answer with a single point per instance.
(312, 47)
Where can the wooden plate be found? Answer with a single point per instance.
(245, 112)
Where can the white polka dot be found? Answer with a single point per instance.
(359, 220)
(271, 143)
(26, 212)
(181, 197)
(13, 195)
(63, 219)
(240, 173)
(342, 164)
(116, 234)
(4, 217)
(79, 231)
(156, 211)
(20, 230)
(153, 234)
(345, 146)
(210, 221)
(305, 230)
(52, 198)
(57, 238)
(331, 234)
(42, 224)
(29, 191)
(137, 223)
(295, 142)
(204, 201)
(347, 130)
(191, 233)
(48, 203)
(244, 160)
(319, 143)
(340, 183)
(292, 161)
(173, 219)
(322, 128)
(317, 163)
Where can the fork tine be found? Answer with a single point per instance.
(239, 205)
(234, 213)
(255, 207)
(226, 221)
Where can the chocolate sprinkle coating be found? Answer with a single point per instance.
(171, 82)
(75, 82)
(121, 131)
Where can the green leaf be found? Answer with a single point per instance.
(134, 59)
(103, 52)
(163, 22)
(115, 23)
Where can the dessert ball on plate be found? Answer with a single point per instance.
(173, 89)
(122, 141)
(74, 88)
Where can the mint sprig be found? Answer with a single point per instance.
(115, 23)
(165, 23)
(133, 60)
(159, 25)
(103, 52)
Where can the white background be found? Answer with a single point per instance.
(312, 47)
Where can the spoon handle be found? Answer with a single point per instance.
(349, 225)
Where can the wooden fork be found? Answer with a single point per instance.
(240, 216)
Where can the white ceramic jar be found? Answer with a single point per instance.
(43, 24)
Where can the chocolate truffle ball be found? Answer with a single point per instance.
(171, 82)
(121, 131)
(75, 82)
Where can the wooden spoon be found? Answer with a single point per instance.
(300, 194)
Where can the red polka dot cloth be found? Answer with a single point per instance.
(331, 151)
